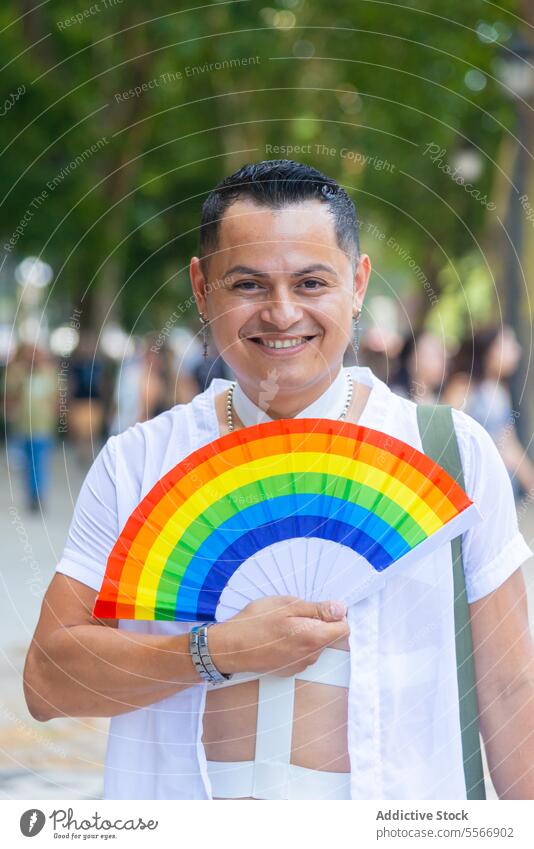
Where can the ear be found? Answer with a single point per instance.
(198, 284)
(361, 279)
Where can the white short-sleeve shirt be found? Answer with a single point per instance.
(404, 734)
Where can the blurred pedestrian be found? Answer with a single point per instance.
(32, 390)
(86, 409)
(422, 368)
(185, 353)
(478, 385)
(142, 387)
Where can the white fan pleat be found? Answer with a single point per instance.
(352, 578)
(313, 567)
(299, 552)
(286, 578)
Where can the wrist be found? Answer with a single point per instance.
(200, 653)
(223, 649)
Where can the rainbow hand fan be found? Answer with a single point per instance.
(311, 507)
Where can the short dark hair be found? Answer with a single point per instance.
(277, 183)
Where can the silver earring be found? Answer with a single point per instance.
(356, 333)
(205, 323)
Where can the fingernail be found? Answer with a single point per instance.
(337, 609)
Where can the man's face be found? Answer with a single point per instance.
(279, 276)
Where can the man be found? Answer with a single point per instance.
(279, 278)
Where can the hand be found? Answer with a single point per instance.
(279, 634)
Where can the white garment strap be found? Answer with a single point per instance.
(274, 730)
(235, 780)
(231, 779)
(332, 667)
(271, 775)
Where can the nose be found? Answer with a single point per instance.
(281, 311)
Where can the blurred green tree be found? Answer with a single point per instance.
(131, 114)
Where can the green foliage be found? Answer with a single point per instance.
(361, 83)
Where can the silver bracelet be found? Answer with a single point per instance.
(203, 663)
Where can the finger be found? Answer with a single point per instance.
(337, 630)
(328, 632)
(326, 611)
(312, 634)
(332, 611)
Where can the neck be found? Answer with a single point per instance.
(326, 398)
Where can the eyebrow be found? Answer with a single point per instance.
(245, 269)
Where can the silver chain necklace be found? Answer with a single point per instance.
(230, 418)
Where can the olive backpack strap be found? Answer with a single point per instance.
(438, 437)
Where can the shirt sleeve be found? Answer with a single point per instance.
(495, 547)
(94, 527)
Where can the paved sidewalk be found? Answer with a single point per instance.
(61, 759)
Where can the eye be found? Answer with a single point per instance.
(245, 283)
(313, 280)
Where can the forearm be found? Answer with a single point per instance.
(507, 727)
(93, 670)
(98, 670)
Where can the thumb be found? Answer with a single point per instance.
(331, 611)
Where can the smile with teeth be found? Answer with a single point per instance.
(281, 343)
